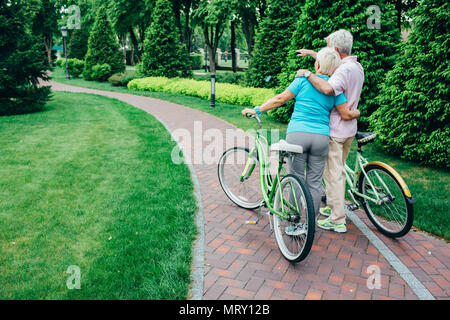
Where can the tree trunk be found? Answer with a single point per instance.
(187, 28)
(135, 43)
(248, 26)
(233, 46)
(48, 43)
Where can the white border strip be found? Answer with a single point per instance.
(416, 286)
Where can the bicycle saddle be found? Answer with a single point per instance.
(282, 145)
(365, 137)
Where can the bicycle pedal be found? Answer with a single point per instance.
(352, 206)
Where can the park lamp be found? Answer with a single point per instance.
(64, 35)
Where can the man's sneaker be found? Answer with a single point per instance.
(325, 211)
(327, 224)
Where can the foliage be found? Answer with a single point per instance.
(21, 63)
(413, 117)
(197, 61)
(78, 44)
(100, 72)
(224, 77)
(75, 66)
(226, 93)
(164, 54)
(122, 79)
(376, 48)
(271, 42)
(103, 47)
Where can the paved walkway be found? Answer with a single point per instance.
(243, 261)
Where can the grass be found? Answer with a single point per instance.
(90, 182)
(429, 186)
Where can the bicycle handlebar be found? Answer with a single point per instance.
(250, 116)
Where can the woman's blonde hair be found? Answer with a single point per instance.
(328, 60)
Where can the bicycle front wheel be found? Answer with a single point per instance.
(295, 234)
(243, 191)
(394, 216)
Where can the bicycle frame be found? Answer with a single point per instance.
(268, 188)
(352, 177)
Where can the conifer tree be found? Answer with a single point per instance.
(103, 46)
(375, 47)
(22, 63)
(272, 42)
(164, 54)
(414, 106)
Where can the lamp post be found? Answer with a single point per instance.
(64, 35)
(213, 90)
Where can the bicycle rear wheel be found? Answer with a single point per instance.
(394, 216)
(295, 235)
(245, 193)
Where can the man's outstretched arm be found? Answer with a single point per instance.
(320, 84)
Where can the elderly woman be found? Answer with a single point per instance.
(310, 122)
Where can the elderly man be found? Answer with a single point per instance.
(348, 79)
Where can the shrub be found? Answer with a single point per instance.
(413, 117)
(197, 61)
(100, 72)
(75, 66)
(164, 54)
(376, 48)
(103, 47)
(224, 77)
(226, 93)
(21, 63)
(122, 79)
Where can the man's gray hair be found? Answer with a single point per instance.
(342, 40)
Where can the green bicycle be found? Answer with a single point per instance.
(382, 192)
(246, 179)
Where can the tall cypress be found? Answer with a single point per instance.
(376, 48)
(414, 114)
(103, 46)
(164, 54)
(272, 42)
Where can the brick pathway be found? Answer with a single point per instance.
(243, 261)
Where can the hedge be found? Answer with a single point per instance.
(226, 93)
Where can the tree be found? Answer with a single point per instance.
(164, 54)
(250, 12)
(103, 46)
(375, 47)
(271, 42)
(403, 7)
(21, 62)
(413, 117)
(127, 16)
(45, 24)
(213, 16)
(78, 44)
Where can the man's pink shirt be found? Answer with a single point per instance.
(348, 79)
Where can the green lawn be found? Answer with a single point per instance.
(428, 185)
(90, 182)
